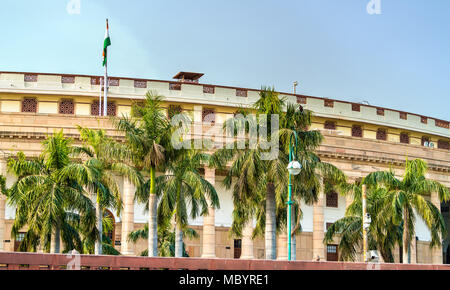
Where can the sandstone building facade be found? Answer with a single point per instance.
(359, 139)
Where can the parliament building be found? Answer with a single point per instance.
(359, 139)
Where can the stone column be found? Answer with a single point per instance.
(2, 222)
(126, 247)
(282, 244)
(437, 251)
(349, 197)
(209, 222)
(414, 250)
(318, 227)
(247, 242)
(2, 209)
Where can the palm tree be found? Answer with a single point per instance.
(406, 199)
(98, 174)
(260, 190)
(315, 173)
(383, 234)
(166, 239)
(47, 200)
(148, 141)
(181, 188)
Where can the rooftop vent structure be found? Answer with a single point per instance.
(188, 77)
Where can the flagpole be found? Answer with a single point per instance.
(105, 99)
(100, 98)
(105, 104)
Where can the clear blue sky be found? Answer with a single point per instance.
(399, 59)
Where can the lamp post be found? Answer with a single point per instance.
(294, 168)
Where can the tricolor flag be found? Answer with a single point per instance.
(106, 43)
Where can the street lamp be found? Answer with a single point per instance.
(294, 168)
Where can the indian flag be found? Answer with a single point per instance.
(106, 43)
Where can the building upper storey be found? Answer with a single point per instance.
(78, 95)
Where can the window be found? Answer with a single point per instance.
(404, 138)
(68, 79)
(424, 120)
(209, 89)
(380, 112)
(330, 125)
(208, 115)
(301, 100)
(95, 81)
(333, 199)
(332, 253)
(111, 111)
(356, 107)
(66, 107)
(241, 93)
(403, 116)
(442, 124)
(329, 103)
(237, 249)
(29, 105)
(113, 82)
(443, 145)
(425, 140)
(31, 78)
(357, 131)
(140, 84)
(175, 86)
(19, 238)
(381, 134)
